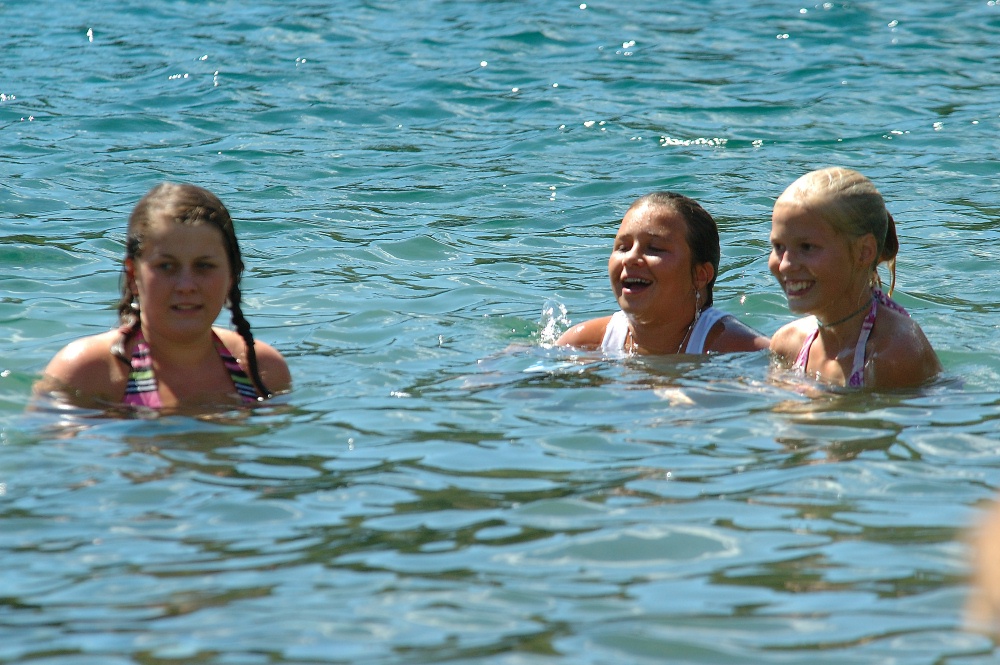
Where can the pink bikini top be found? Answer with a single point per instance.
(857, 377)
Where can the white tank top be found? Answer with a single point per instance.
(613, 344)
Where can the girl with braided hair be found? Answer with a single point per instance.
(182, 265)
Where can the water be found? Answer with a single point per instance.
(426, 194)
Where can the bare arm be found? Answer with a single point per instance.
(730, 335)
(273, 368)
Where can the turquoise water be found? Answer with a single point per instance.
(426, 194)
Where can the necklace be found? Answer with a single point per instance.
(632, 346)
(846, 318)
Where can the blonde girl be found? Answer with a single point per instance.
(829, 232)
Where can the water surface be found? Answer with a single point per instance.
(425, 195)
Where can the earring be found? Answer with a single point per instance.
(697, 304)
(134, 304)
(228, 304)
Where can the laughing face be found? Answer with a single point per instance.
(821, 271)
(650, 265)
(182, 279)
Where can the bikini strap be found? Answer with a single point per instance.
(857, 378)
(244, 386)
(141, 389)
(888, 302)
(802, 359)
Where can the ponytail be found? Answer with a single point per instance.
(889, 250)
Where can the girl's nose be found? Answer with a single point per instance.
(785, 261)
(634, 254)
(185, 279)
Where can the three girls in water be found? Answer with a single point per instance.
(830, 231)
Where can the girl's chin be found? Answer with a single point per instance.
(634, 297)
(630, 304)
(798, 306)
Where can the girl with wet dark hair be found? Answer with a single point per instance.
(182, 265)
(662, 267)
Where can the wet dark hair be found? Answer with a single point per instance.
(191, 205)
(702, 232)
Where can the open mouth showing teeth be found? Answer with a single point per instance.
(796, 286)
(634, 282)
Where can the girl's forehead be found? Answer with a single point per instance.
(655, 221)
(165, 233)
(802, 215)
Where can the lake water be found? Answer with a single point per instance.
(426, 194)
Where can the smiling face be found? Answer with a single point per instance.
(182, 278)
(650, 265)
(821, 271)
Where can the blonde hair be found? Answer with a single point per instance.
(854, 207)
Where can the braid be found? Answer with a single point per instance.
(243, 328)
(128, 309)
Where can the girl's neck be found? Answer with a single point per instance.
(846, 318)
(188, 352)
(840, 329)
(658, 339)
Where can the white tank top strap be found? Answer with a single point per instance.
(708, 318)
(613, 344)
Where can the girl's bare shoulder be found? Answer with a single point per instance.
(900, 352)
(273, 367)
(789, 338)
(586, 335)
(86, 366)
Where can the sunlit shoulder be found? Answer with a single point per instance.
(788, 339)
(85, 366)
(900, 356)
(586, 335)
(273, 367)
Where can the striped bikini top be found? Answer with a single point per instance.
(142, 387)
